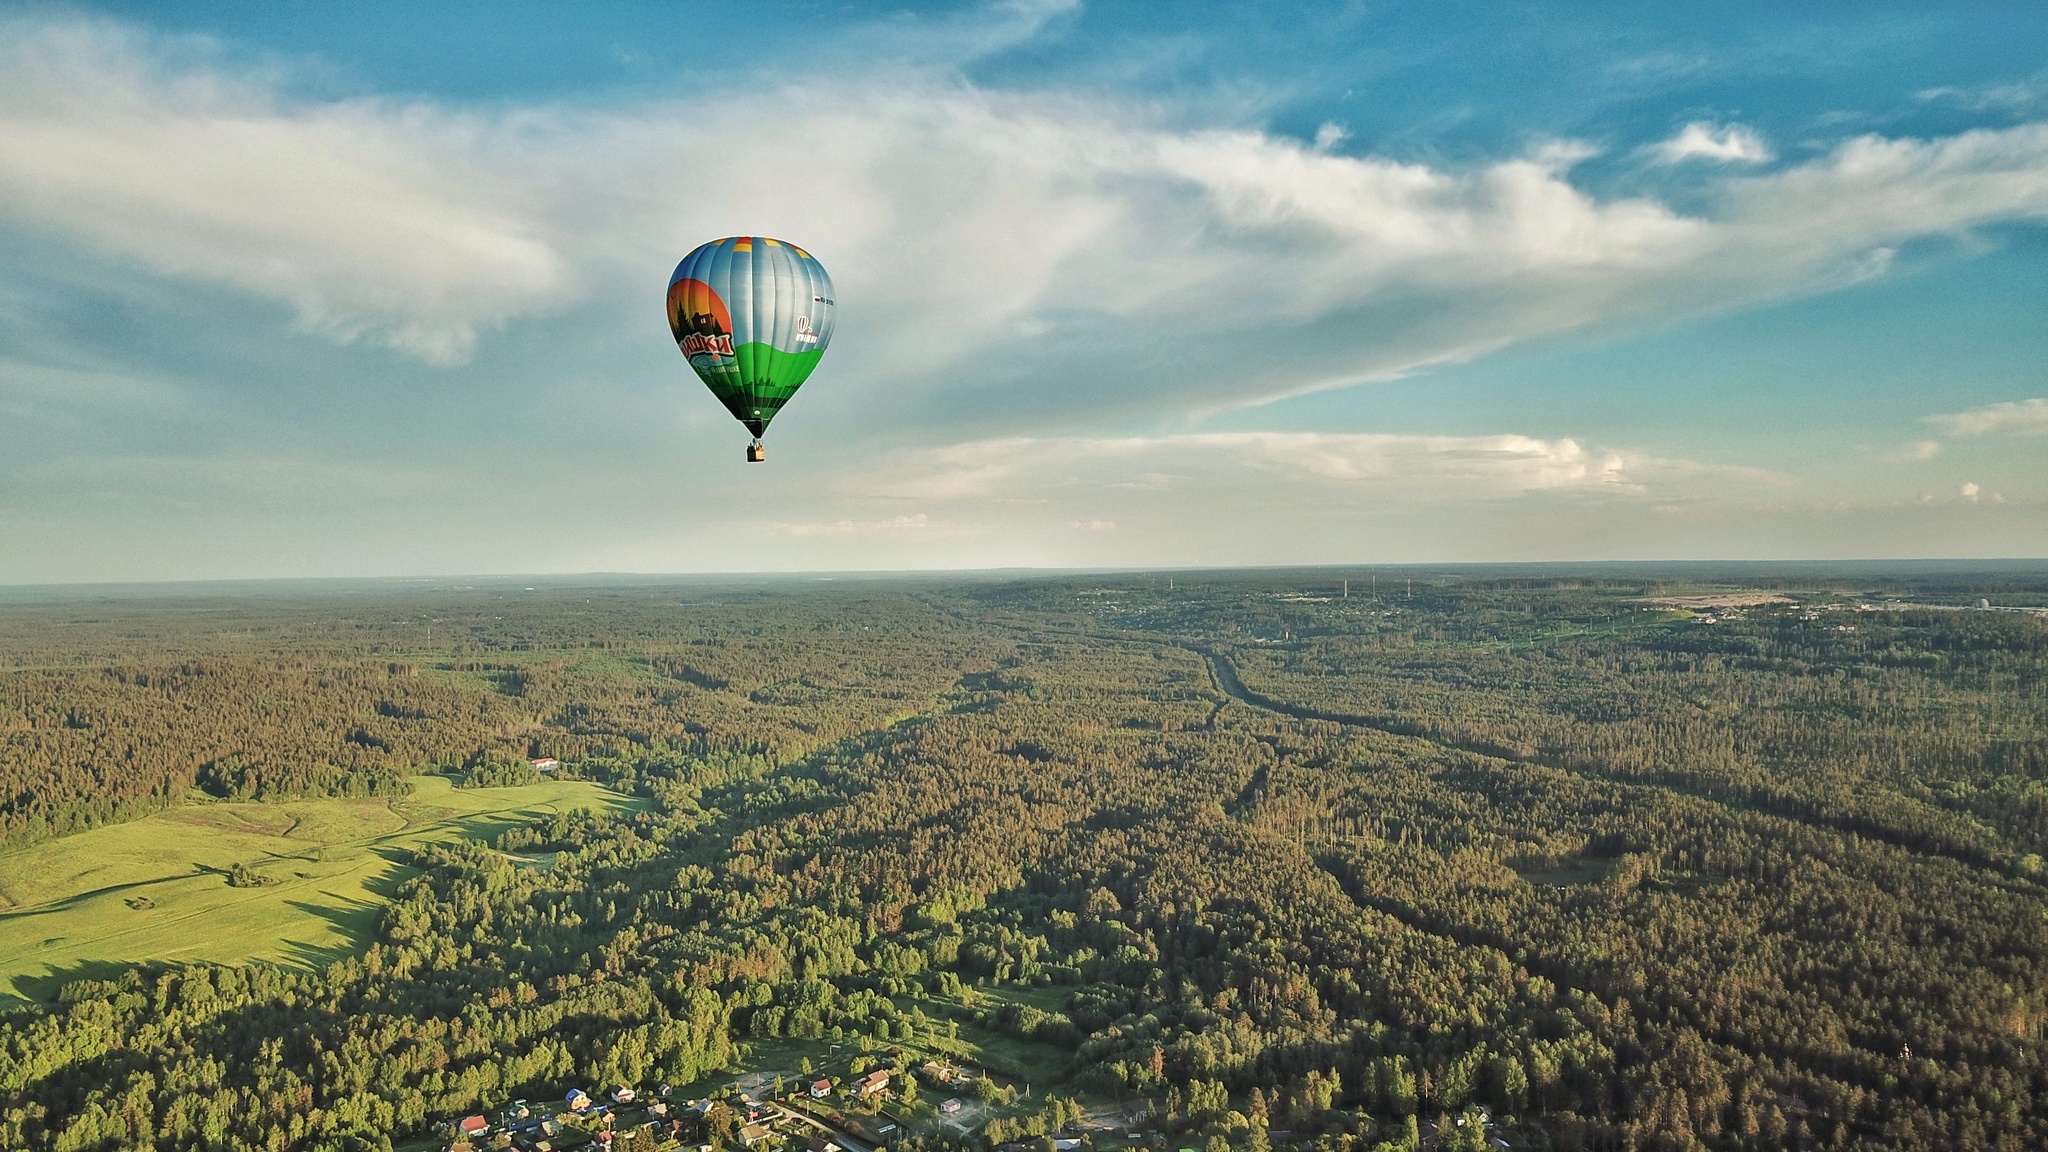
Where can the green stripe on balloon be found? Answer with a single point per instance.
(763, 380)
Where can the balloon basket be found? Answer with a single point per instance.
(756, 452)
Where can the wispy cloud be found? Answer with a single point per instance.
(365, 216)
(1422, 467)
(2010, 418)
(1733, 144)
(1279, 497)
(2018, 97)
(892, 526)
(1017, 269)
(1055, 241)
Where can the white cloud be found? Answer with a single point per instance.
(2020, 97)
(1872, 192)
(2013, 417)
(1016, 269)
(1969, 492)
(1698, 140)
(894, 525)
(1027, 261)
(362, 215)
(1243, 463)
(1261, 497)
(955, 37)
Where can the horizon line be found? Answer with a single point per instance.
(1953, 564)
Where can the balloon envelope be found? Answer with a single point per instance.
(753, 315)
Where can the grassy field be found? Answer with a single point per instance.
(157, 888)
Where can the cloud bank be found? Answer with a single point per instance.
(1068, 292)
(363, 216)
(2013, 418)
(1342, 466)
(1028, 256)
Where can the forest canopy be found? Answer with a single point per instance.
(1623, 857)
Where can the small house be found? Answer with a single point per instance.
(474, 1126)
(821, 1089)
(753, 1134)
(874, 1083)
(544, 763)
(952, 1107)
(623, 1095)
(577, 1100)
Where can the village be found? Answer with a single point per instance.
(861, 1102)
(876, 1099)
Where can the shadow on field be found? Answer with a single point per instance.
(314, 959)
(73, 901)
(45, 988)
(352, 918)
(387, 883)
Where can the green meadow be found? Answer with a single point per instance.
(157, 888)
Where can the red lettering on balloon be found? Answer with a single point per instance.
(694, 345)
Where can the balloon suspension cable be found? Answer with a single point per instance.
(756, 451)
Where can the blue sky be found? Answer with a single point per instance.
(369, 289)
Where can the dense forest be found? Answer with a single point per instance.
(1623, 859)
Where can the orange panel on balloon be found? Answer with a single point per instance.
(693, 308)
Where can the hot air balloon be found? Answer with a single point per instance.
(753, 315)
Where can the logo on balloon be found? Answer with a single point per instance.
(695, 345)
(804, 335)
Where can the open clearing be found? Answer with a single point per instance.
(157, 888)
(1719, 600)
